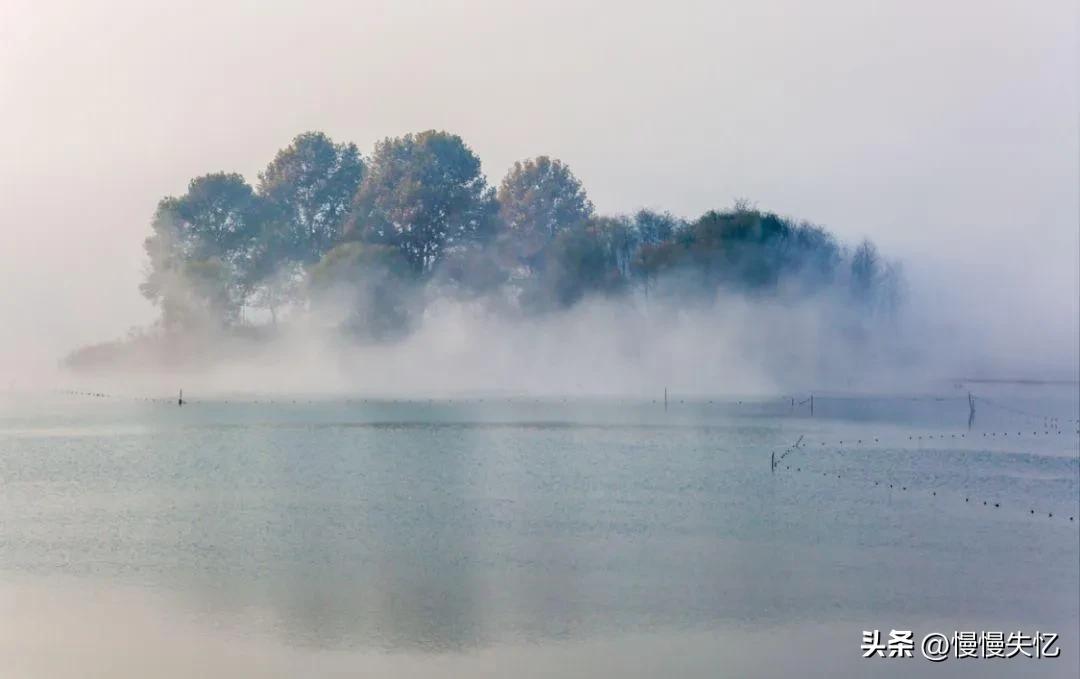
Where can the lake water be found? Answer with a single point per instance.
(521, 537)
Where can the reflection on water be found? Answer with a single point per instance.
(406, 533)
(77, 629)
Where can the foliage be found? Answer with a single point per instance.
(310, 185)
(538, 199)
(423, 194)
(368, 286)
(875, 284)
(327, 231)
(655, 227)
(576, 263)
(745, 249)
(202, 248)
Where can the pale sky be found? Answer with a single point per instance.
(945, 130)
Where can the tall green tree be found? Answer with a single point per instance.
(202, 248)
(538, 199)
(425, 195)
(310, 185)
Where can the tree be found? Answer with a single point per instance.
(370, 287)
(472, 271)
(577, 262)
(865, 270)
(278, 283)
(423, 194)
(620, 240)
(811, 257)
(206, 297)
(538, 199)
(310, 185)
(203, 247)
(654, 228)
(739, 248)
(876, 283)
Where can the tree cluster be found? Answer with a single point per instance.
(327, 226)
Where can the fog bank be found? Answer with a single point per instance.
(954, 148)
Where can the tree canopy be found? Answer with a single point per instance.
(423, 194)
(538, 199)
(202, 248)
(309, 186)
(325, 228)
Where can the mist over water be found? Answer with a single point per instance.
(959, 161)
(314, 362)
(637, 347)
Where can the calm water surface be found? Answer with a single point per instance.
(531, 537)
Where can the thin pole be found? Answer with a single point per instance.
(665, 399)
(811, 405)
(180, 401)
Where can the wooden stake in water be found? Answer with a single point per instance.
(665, 399)
(971, 413)
(180, 400)
(811, 405)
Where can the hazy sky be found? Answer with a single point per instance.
(946, 130)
